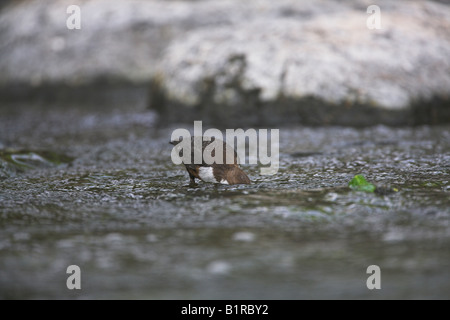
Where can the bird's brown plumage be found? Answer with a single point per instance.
(231, 173)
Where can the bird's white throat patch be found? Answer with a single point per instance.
(206, 174)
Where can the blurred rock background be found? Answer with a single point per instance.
(233, 63)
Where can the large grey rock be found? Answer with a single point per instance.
(240, 62)
(270, 65)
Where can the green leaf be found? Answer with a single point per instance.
(359, 183)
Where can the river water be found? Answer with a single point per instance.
(97, 189)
